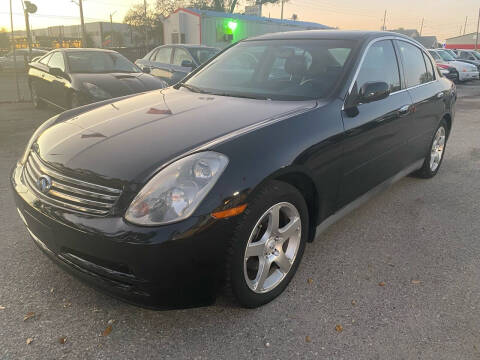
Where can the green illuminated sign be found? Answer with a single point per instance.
(232, 25)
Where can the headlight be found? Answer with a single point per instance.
(176, 191)
(35, 136)
(96, 91)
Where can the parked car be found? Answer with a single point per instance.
(21, 59)
(465, 71)
(68, 78)
(455, 56)
(162, 197)
(173, 62)
(470, 55)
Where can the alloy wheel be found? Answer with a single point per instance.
(438, 147)
(272, 247)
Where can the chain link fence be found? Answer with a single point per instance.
(8, 87)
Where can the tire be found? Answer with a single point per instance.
(281, 254)
(431, 165)
(37, 102)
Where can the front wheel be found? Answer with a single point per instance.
(268, 245)
(434, 158)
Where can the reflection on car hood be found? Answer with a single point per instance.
(119, 84)
(129, 139)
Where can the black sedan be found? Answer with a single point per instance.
(173, 62)
(68, 78)
(164, 197)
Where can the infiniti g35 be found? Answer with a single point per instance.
(166, 197)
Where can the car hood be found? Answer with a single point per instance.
(130, 139)
(119, 84)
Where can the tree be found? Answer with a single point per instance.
(135, 17)
(294, 17)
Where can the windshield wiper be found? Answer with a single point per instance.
(190, 87)
(243, 96)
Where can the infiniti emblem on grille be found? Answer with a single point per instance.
(44, 183)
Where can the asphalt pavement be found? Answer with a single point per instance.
(399, 278)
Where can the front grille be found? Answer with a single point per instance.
(69, 193)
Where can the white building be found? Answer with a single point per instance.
(212, 28)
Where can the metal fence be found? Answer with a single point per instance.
(8, 88)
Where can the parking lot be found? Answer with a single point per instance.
(399, 278)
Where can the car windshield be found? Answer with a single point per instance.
(275, 69)
(452, 53)
(445, 55)
(99, 62)
(476, 55)
(203, 54)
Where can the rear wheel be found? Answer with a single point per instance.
(434, 158)
(268, 245)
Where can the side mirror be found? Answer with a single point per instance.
(373, 91)
(56, 72)
(146, 70)
(188, 63)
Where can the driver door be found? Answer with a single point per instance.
(375, 132)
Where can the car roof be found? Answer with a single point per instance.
(328, 35)
(189, 46)
(84, 49)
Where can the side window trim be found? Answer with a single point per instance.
(427, 58)
(153, 55)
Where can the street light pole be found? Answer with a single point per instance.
(82, 22)
(478, 29)
(111, 28)
(13, 50)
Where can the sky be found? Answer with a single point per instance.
(442, 18)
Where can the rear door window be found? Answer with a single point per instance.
(430, 72)
(416, 70)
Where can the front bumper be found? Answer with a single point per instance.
(472, 75)
(173, 266)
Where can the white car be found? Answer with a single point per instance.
(465, 71)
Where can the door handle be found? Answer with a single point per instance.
(404, 110)
(440, 95)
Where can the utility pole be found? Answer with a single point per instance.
(421, 27)
(82, 23)
(478, 29)
(146, 24)
(13, 50)
(281, 16)
(111, 28)
(465, 27)
(384, 27)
